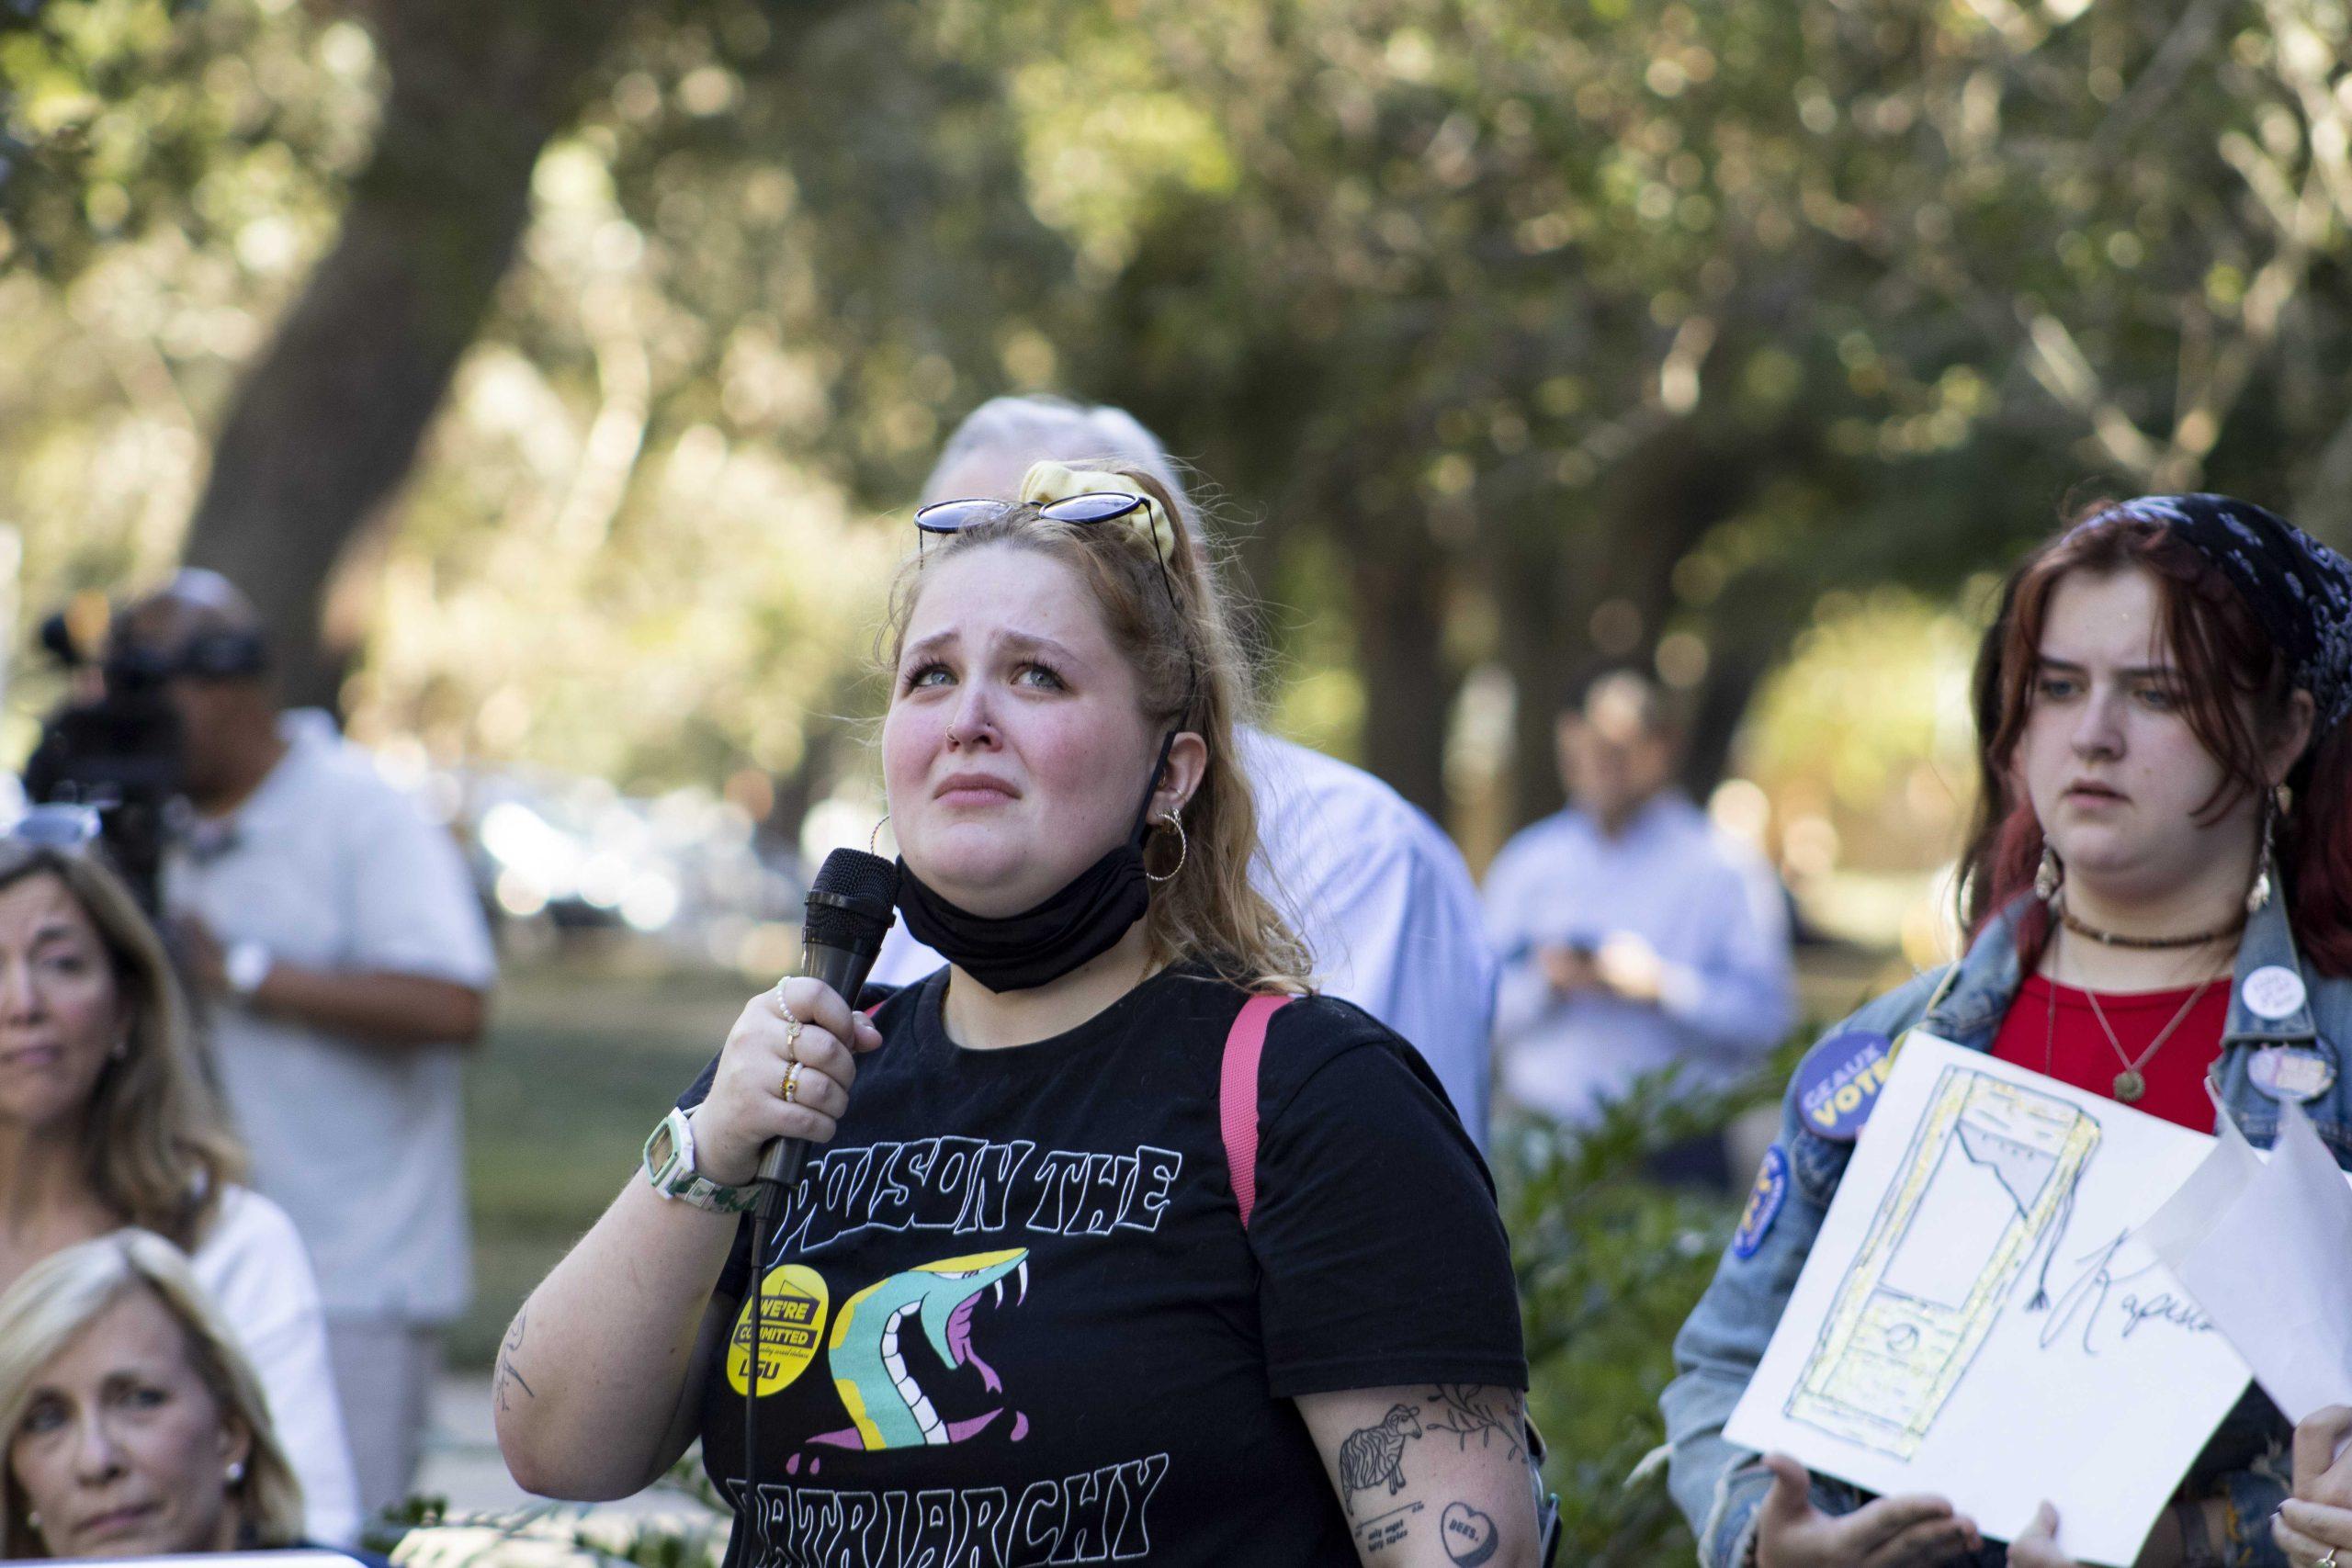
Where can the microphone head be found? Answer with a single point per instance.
(849, 904)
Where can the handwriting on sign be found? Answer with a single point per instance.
(2085, 1302)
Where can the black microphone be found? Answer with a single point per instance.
(849, 912)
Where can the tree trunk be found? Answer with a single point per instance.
(1734, 672)
(326, 423)
(1399, 584)
(1543, 609)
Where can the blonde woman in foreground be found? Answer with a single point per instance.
(135, 1427)
(1027, 1304)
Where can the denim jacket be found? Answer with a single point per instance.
(1719, 1485)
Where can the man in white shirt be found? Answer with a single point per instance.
(336, 936)
(1382, 896)
(1633, 937)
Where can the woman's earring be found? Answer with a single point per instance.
(876, 837)
(2259, 895)
(1183, 849)
(32, 1521)
(236, 1470)
(2048, 875)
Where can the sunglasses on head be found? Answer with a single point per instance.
(1095, 506)
(57, 827)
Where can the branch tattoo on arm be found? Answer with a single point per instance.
(507, 1373)
(1467, 1411)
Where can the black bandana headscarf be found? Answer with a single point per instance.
(2298, 590)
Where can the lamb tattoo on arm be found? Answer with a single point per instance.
(1371, 1458)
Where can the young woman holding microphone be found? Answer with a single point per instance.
(1037, 1299)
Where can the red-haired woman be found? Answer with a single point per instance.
(2159, 893)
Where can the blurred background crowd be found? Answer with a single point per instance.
(554, 383)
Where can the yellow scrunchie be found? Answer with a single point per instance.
(1049, 481)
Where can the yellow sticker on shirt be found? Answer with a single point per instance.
(792, 1324)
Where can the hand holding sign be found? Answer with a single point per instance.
(1887, 1533)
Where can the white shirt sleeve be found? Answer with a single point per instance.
(1740, 1000)
(253, 1265)
(1522, 996)
(413, 909)
(1399, 919)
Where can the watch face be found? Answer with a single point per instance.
(661, 1150)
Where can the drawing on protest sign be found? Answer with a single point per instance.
(1985, 1183)
(1974, 1319)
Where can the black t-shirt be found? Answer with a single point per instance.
(1021, 1322)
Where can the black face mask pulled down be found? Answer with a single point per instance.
(1070, 927)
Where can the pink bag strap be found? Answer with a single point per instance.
(1237, 1097)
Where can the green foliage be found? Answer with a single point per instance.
(421, 1534)
(1532, 337)
(1609, 1263)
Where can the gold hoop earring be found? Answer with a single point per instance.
(876, 837)
(1183, 849)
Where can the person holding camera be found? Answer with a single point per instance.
(336, 933)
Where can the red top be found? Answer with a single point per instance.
(2078, 1052)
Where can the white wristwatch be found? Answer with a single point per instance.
(245, 966)
(670, 1169)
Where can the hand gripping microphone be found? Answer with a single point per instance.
(848, 914)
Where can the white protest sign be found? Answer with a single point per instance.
(2265, 1248)
(1975, 1320)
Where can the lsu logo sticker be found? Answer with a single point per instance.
(1764, 1201)
(792, 1323)
(1838, 1080)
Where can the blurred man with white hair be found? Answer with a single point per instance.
(1379, 892)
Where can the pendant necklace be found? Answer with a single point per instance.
(2130, 1084)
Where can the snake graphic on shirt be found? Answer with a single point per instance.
(888, 1409)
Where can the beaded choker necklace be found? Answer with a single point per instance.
(2116, 938)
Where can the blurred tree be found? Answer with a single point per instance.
(1621, 337)
(1535, 341)
(326, 421)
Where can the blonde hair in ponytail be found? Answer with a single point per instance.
(1210, 912)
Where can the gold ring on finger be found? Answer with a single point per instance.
(792, 1084)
